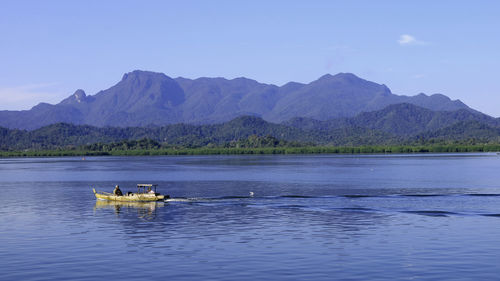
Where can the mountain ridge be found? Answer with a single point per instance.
(400, 119)
(144, 98)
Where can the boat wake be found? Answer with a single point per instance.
(186, 199)
(350, 196)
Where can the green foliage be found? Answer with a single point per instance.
(124, 145)
(259, 150)
(243, 135)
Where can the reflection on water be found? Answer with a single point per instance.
(145, 210)
(431, 217)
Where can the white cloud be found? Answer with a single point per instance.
(26, 96)
(407, 39)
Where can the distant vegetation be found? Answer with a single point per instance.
(117, 150)
(392, 130)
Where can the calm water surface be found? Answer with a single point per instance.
(326, 217)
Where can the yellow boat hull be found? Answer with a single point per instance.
(134, 197)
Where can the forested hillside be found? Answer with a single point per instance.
(402, 124)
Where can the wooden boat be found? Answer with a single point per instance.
(145, 210)
(145, 192)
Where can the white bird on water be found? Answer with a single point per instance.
(251, 193)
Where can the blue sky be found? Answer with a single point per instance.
(48, 49)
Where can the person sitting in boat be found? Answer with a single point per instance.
(117, 191)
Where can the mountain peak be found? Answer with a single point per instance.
(142, 74)
(326, 76)
(346, 75)
(78, 97)
(138, 92)
(342, 76)
(244, 79)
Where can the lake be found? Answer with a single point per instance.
(314, 217)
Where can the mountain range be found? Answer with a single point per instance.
(394, 125)
(144, 98)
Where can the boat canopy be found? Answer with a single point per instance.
(145, 187)
(146, 184)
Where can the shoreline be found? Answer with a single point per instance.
(405, 149)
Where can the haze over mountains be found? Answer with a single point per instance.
(144, 98)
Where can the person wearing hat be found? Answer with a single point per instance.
(117, 191)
